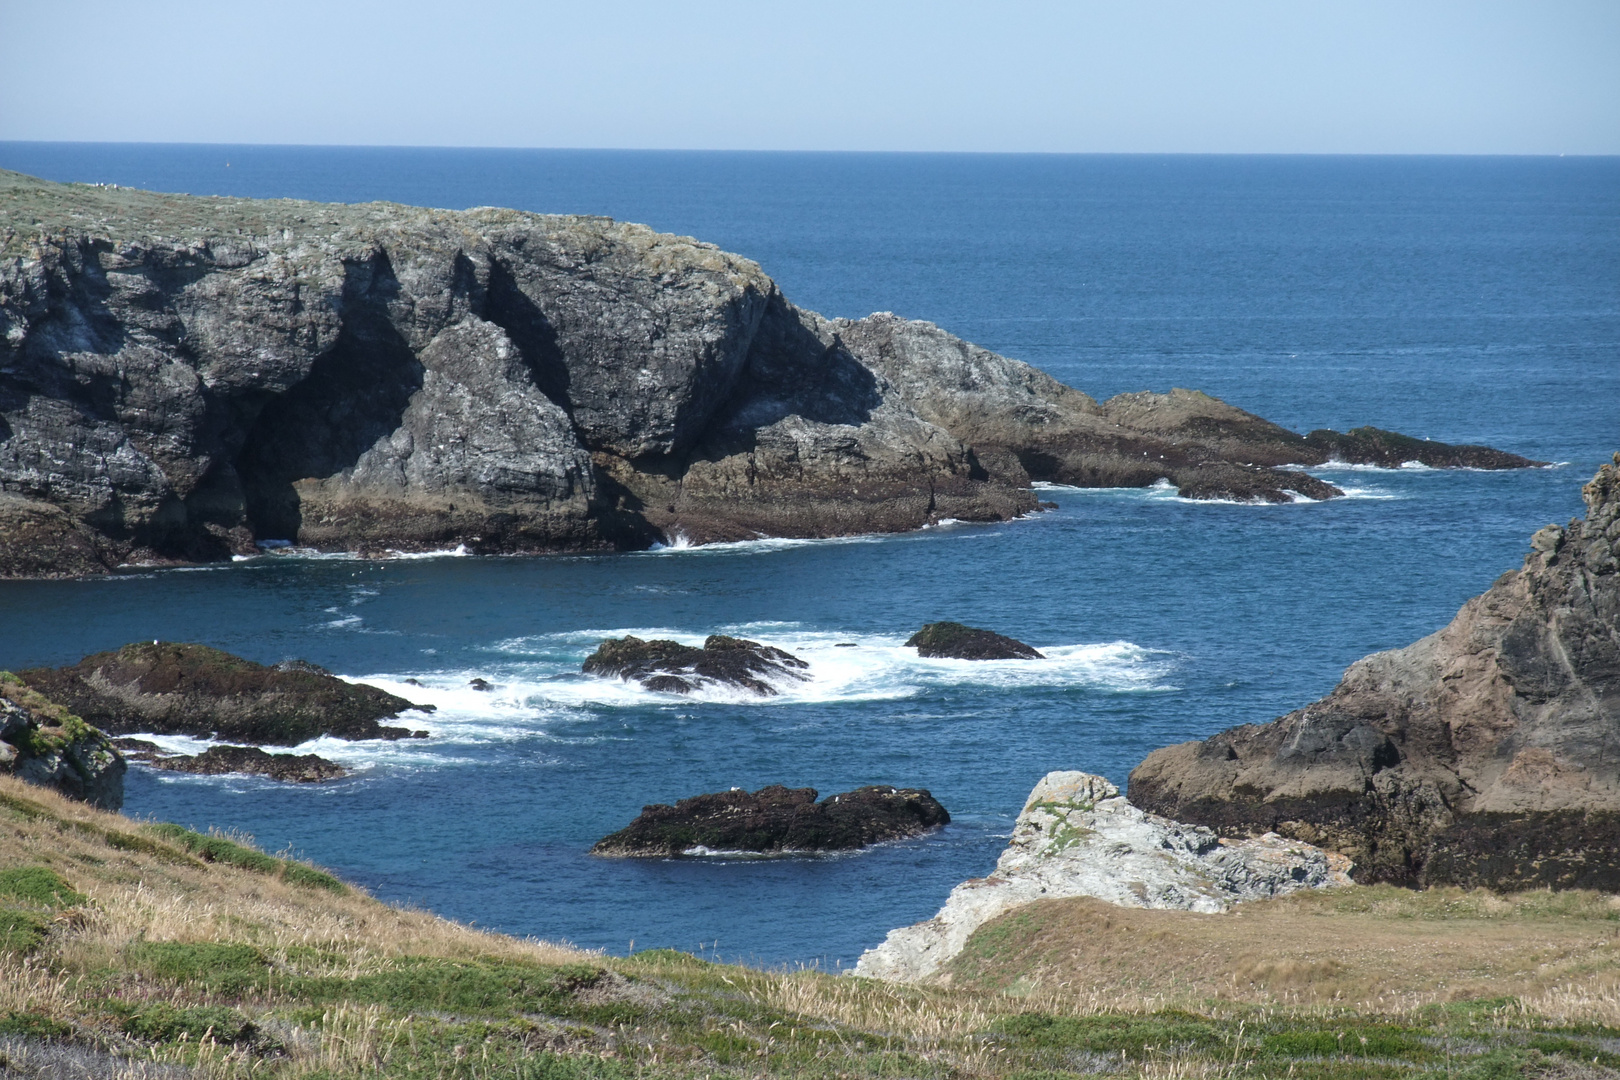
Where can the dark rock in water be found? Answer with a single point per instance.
(218, 760)
(952, 640)
(778, 820)
(44, 743)
(1484, 754)
(674, 668)
(481, 684)
(382, 377)
(179, 689)
(1390, 449)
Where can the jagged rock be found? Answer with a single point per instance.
(179, 689)
(182, 378)
(777, 820)
(673, 668)
(1077, 837)
(955, 641)
(1485, 754)
(250, 760)
(45, 744)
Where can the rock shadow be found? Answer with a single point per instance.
(355, 394)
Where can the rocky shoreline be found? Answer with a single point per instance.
(184, 379)
(1485, 754)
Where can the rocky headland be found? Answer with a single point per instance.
(674, 668)
(165, 688)
(777, 820)
(45, 744)
(952, 640)
(1076, 836)
(1485, 754)
(184, 379)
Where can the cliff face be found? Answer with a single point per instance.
(183, 377)
(1487, 753)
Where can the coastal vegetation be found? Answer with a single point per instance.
(142, 950)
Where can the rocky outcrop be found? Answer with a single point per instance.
(673, 668)
(165, 688)
(242, 760)
(1485, 754)
(952, 640)
(45, 744)
(185, 378)
(776, 820)
(1077, 837)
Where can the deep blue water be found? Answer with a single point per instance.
(1465, 299)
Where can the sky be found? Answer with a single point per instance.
(1193, 76)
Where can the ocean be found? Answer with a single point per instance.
(1464, 299)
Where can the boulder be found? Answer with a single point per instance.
(182, 379)
(46, 744)
(955, 641)
(777, 820)
(673, 668)
(167, 688)
(1484, 754)
(1077, 837)
(248, 760)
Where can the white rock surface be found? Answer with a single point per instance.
(1077, 836)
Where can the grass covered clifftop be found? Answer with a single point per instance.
(142, 950)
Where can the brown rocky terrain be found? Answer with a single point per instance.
(1485, 754)
(184, 378)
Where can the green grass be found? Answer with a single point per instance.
(162, 1022)
(38, 885)
(223, 968)
(219, 849)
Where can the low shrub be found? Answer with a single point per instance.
(21, 932)
(32, 1026)
(38, 885)
(217, 849)
(309, 877)
(459, 986)
(225, 968)
(162, 1022)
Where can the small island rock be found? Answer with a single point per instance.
(179, 689)
(251, 761)
(674, 668)
(777, 820)
(953, 641)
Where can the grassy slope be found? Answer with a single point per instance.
(142, 950)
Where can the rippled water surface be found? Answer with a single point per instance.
(1462, 299)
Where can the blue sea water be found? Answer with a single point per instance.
(1464, 299)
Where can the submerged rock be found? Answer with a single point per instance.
(777, 820)
(44, 743)
(381, 377)
(1484, 754)
(180, 689)
(955, 641)
(674, 668)
(1077, 837)
(249, 760)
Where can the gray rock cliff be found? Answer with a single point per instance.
(182, 378)
(1487, 753)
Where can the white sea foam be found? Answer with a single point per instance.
(682, 545)
(1165, 491)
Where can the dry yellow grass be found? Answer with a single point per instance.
(1381, 949)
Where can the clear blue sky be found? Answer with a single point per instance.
(1359, 76)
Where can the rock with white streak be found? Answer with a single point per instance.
(1077, 836)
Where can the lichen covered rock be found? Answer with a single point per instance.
(1487, 753)
(777, 820)
(45, 744)
(1076, 836)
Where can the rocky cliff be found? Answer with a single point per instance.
(182, 378)
(45, 744)
(1487, 753)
